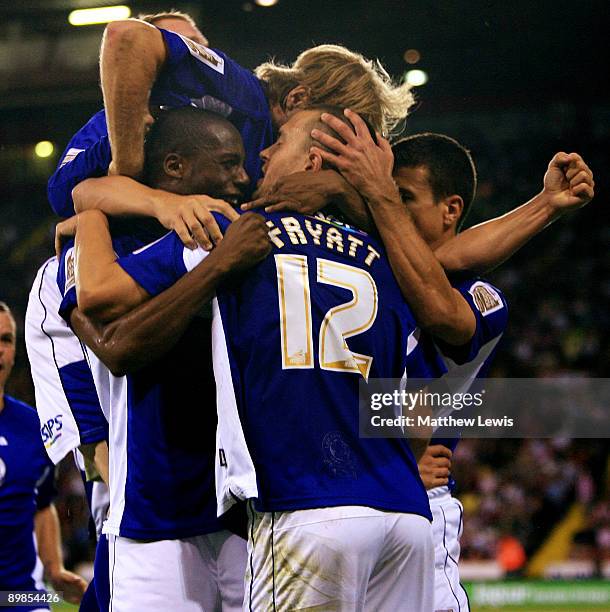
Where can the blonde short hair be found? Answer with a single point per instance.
(154, 17)
(337, 76)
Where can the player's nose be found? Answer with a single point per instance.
(242, 178)
(264, 154)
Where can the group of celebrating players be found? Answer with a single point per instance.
(203, 362)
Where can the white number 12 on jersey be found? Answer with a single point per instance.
(340, 322)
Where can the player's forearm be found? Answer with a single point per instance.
(145, 334)
(48, 538)
(116, 196)
(485, 246)
(104, 291)
(131, 56)
(95, 454)
(437, 307)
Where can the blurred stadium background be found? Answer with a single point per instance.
(515, 82)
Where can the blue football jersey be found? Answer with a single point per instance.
(26, 486)
(193, 74)
(463, 365)
(162, 428)
(299, 332)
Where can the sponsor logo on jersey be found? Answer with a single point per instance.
(205, 55)
(486, 298)
(51, 431)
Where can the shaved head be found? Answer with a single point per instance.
(184, 131)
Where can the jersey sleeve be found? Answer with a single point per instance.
(45, 488)
(194, 71)
(491, 313)
(87, 155)
(157, 266)
(66, 281)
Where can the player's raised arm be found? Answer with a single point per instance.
(131, 56)
(567, 186)
(438, 307)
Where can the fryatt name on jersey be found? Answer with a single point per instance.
(319, 231)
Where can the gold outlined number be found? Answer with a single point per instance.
(340, 322)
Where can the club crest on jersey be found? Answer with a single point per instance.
(205, 55)
(70, 274)
(486, 298)
(338, 456)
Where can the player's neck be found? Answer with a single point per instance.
(441, 240)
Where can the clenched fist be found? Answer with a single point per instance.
(246, 243)
(568, 182)
(435, 466)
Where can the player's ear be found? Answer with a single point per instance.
(453, 207)
(314, 162)
(174, 165)
(297, 97)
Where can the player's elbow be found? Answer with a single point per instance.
(96, 303)
(123, 30)
(449, 322)
(453, 329)
(124, 35)
(435, 316)
(116, 360)
(83, 195)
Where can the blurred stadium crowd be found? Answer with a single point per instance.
(558, 289)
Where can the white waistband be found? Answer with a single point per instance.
(438, 495)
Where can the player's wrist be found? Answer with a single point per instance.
(92, 216)
(127, 165)
(53, 570)
(161, 208)
(383, 194)
(547, 204)
(128, 156)
(221, 263)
